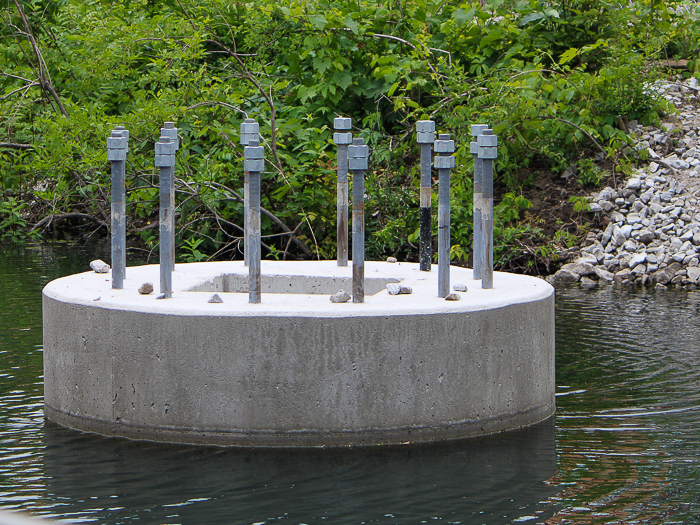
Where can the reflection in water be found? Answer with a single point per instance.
(487, 480)
(628, 406)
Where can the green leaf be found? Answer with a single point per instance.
(531, 17)
(568, 55)
(462, 17)
(351, 25)
(318, 21)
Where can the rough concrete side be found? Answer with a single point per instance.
(298, 381)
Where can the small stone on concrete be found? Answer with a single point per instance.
(146, 288)
(340, 297)
(391, 259)
(99, 266)
(452, 297)
(396, 289)
(460, 287)
(215, 299)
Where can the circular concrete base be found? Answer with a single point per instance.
(297, 370)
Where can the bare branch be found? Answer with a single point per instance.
(301, 244)
(217, 103)
(43, 76)
(15, 76)
(61, 216)
(392, 37)
(545, 117)
(19, 89)
(12, 145)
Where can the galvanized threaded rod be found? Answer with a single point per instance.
(165, 160)
(477, 233)
(358, 154)
(342, 140)
(488, 151)
(425, 136)
(254, 163)
(117, 148)
(169, 130)
(444, 162)
(250, 130)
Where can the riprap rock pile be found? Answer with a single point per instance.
(654, 231)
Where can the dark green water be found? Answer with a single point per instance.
(624, 448)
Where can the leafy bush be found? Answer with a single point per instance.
(553, 80)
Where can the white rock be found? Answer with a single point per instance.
(693, 273)
(99, 266)
(637, 259)
(646, 236)
(397, 288)
(633, 218)
(619, 236)
(341, 297)
(603, 274)
(678, 164)
(633, 184)
(616, 216)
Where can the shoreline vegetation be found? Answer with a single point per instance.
(564, 84)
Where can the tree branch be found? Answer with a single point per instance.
(545, 117)
(217, 103)
(12, 145)
(47, 220)
(301, 244)
(43, 77)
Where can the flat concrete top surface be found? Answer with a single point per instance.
(95, 289)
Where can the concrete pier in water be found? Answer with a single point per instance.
(297, 370)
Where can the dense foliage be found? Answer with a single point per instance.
(557, 80)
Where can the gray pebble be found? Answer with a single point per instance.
(340, 297)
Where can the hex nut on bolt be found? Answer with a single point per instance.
(425, 126)
(358, 154)
(342, 138)
(444, 146)
(487, 141)
(250, 130)
(342, 124)
(169, 130)
(477, 129)
(442, 163)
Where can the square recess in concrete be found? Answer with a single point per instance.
(292, 284)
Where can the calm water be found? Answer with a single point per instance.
(624, 448)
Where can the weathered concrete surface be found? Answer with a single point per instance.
(297, 370)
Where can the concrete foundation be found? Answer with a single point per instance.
(297, 370)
